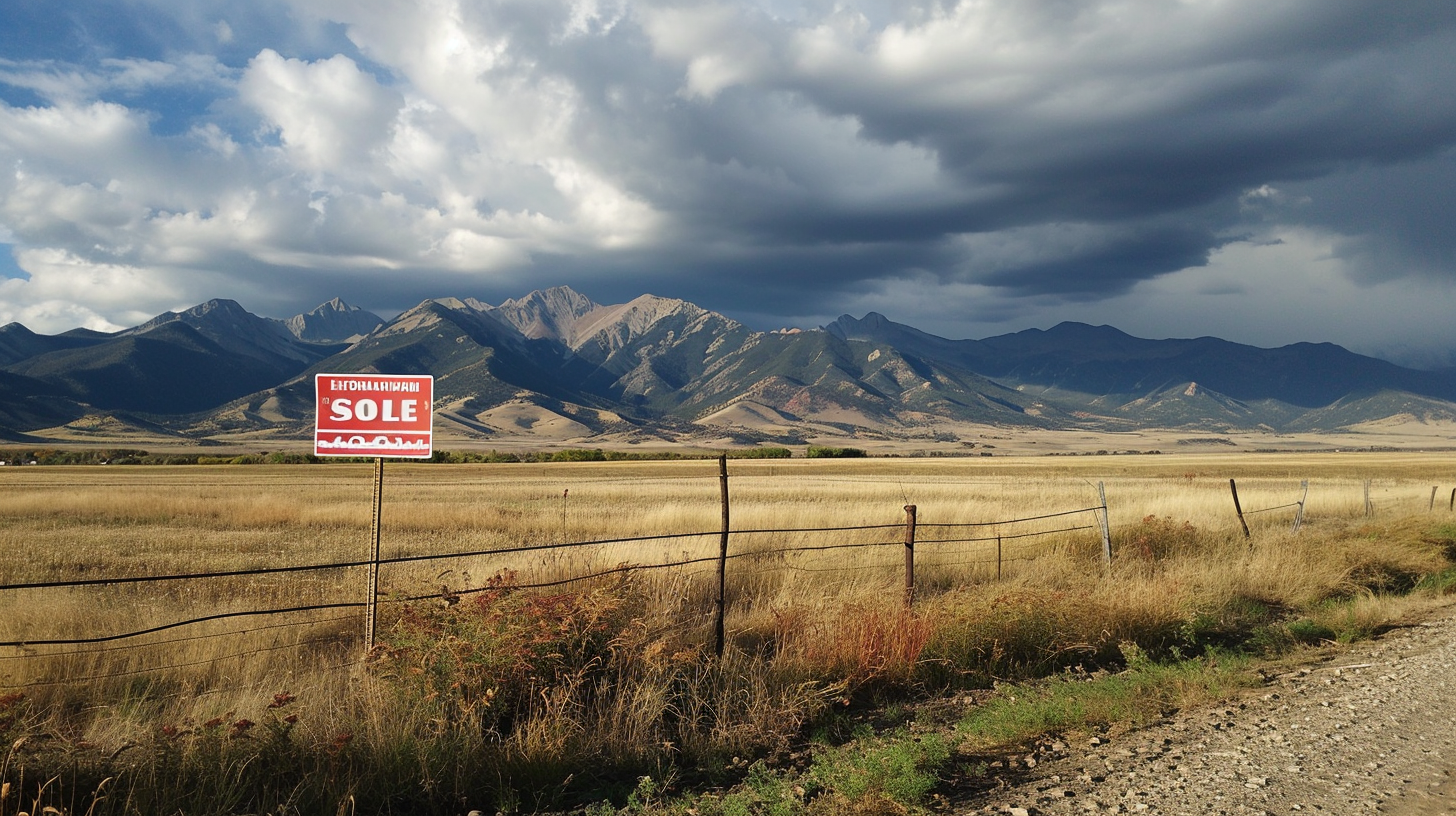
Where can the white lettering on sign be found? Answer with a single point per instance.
(343, 410)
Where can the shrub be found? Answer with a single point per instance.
(444, 457)
(819, 452)
(284, 458)
(1158, 537)
(579, 455)
(535, 688)
(491, 657)
(867, 648)
(761, 453)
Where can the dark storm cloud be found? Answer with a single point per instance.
(792, 157)
(1107, 140)
(1114, 265)
(1398, 219)
(1125, 136)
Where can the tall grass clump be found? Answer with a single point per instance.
(559, 697)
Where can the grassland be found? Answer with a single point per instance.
(494, 697)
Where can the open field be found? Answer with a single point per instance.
(537, 429)
(488, 697)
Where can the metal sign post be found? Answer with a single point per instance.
(721, 603)
(372, 602)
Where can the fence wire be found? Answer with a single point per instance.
(189, 664)
(1270, 509)
(122, 647)
(751, 562)
(933, 553)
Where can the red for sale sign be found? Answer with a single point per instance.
(374, 415)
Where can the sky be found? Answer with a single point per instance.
(1266, 171)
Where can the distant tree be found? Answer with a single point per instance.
(819, 452)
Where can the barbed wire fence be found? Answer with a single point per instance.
(743, 553)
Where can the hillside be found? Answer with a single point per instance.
(557, 366)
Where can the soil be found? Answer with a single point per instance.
(1369, 729)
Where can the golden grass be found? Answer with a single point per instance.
(805, 625)
(65, 523)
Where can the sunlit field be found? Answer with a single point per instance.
(575, 642)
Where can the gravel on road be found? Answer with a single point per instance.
(1370, 730)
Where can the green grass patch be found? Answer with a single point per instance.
(899, 766)
(1145, 692)
(892, 773)
(1439, 583)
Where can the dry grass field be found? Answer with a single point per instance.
(510, 684)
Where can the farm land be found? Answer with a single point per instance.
(529, 676)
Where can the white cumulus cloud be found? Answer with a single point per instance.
(973, 157)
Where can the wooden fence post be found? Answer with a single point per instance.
(1453, 500)
(998, 556)
(1432, 506)
(1234, 489)
(1106, 526)
(1369, 508)
(371, 602)
(719, 635)
(909, 555)
(1299, 514)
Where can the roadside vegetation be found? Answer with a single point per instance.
(606, 696)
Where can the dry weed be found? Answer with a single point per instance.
(613, 674)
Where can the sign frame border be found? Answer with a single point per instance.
(429, 434)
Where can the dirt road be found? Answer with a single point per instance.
(1372, 730)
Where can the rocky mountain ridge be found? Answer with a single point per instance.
(333, 322)
(555, 362)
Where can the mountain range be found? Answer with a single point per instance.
(558, 365)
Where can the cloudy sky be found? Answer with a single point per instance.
(1267, 171)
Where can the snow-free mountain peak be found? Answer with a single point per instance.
(549, 314)
(228, 324)
(611, 327)
(333, 322)
(570, 318)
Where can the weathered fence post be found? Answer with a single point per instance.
(1453, 500)
(1234, 489)
(1434, 488)
(1106, 526)
(371, 602)
(1299, 514)
(909, 555)
(998, 556)
(1369, 508)
(719, 636)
